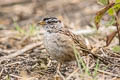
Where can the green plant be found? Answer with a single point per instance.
(20, 30)
(116, 49)
(112, 8)
(96, 69)
(80, 61)
(8, 77)
(31, 31)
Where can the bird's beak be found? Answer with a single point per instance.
(42, 23)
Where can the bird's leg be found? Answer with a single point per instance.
(58, 66)
(58, 71)
(49, 62)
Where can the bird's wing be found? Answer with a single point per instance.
(77, 39)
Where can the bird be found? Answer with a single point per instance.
(59, 40)
(61, 43)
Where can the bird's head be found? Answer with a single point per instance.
(51, 24)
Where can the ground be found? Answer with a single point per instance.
(23, 56)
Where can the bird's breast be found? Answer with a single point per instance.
(59, 46)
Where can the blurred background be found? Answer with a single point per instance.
(74, 13)
(22, 39)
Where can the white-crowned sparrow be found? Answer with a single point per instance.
(59, 41)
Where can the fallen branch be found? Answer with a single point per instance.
(21, 51)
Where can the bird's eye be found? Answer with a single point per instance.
(49, 22)
(59, 21)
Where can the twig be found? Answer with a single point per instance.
(72, 74)
(104, 54)
(109, 73)
(22, 51)
(6, 52)
(117, 24)
(1, 72)
(15, 76)
(13, 63)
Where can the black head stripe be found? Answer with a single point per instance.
(51, 20)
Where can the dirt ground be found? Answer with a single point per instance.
(23, 56)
